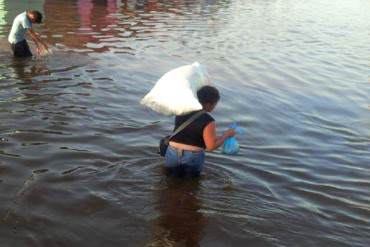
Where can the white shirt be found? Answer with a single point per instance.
(20, 25)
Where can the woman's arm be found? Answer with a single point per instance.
(211, 139)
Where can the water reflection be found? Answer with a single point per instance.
(299, 85)
(108, 25)
(2, 15)
(180, 222)
(27, 69)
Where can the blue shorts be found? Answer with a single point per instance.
(182, 163)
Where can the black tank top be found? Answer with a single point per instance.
(193, 133)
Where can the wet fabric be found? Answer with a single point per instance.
(21, 49)
(184, 163)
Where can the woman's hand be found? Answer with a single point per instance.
(230, 133)
(210, 138)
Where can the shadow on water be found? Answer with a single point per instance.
(180, 222)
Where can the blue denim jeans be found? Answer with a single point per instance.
(183, 163)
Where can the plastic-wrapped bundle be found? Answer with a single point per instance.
(175, 93)
(231, 145)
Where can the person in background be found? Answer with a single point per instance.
(22, 24)
(186, 151)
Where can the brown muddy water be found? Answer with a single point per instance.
(77, 150)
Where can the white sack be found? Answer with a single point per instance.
(175, 93)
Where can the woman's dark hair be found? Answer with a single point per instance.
(208, 94)
(37, 14)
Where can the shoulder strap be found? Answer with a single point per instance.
(187, 122)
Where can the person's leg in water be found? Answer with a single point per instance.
(181, 163)
(21, 49)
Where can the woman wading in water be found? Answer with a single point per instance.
(186, 151)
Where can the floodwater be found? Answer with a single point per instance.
(77, 151)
